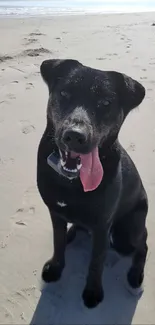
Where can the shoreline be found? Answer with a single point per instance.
(78, 15)
(22, 11)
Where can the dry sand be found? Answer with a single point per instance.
(117, 42)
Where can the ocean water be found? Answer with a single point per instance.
(68, 7)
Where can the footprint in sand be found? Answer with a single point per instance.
(6, 160)
(4, 58)
(28, 198)
(11, 96)
(100, 59)
(35, 272)
(15, 82)
(36, 33)
(112, 54)
(27, 210)
(30, 210)
(22, 316)
(131, 147)
(22, 296)
(28, 41)
(20, 210)
(18, 299)
(4, 243)
(58, 39)
(29, 85)
(21, 223)
(35, 52)
(3, 102)
(7, 314)
(26, 127)
(18, 219)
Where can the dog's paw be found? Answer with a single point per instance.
(52, 272)
(135, 282)
(92, 298)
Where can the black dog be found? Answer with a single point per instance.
(84, 175)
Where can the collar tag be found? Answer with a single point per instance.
(53, 161)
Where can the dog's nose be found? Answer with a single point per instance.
(74, 139)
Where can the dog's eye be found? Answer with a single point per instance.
(65, 94)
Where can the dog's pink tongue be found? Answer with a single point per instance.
(91, 172)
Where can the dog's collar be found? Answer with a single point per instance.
(53, 160)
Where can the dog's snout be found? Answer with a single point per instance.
(74, 139)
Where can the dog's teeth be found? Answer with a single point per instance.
(66, 154)
(70, 170)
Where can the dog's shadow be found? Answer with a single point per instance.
(61, 302)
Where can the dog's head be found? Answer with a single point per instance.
(86, 109)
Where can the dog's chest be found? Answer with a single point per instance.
(83, 210)
(73, 210)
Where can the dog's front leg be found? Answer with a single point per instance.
(53, 268)
(93, 293)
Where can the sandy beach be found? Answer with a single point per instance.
(125, 43)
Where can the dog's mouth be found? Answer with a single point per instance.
(86, 166)
(70, 163)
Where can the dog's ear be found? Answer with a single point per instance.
(131, 92)
(54, 70)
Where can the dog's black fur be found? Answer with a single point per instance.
(97, 102)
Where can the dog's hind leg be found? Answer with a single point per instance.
(129, 236)
(135, 275)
